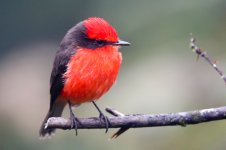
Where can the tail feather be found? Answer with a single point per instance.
(56, 111)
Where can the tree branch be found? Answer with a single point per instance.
(144, 120)
(204, 55)
(124, 122)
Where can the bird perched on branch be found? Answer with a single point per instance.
(84, 69)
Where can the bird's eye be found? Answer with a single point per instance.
(100, 42)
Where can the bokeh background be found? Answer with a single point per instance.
(159, 73)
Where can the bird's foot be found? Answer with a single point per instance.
(102, 117)
(105, 119)
(74, 121)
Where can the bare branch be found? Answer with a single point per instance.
(204, 55)
(117, 114)
(124, 122)
(144, 120)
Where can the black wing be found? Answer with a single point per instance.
(59, 68)
(67, 48)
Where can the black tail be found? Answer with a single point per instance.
(56, 111)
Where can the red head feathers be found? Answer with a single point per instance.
(98, 28)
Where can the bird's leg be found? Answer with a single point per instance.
(102, 116)
(73, 119)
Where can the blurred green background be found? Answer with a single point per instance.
(159, 73)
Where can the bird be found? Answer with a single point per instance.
(85, 68)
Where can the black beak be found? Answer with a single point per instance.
(121, 43)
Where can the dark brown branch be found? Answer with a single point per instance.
(140, 120)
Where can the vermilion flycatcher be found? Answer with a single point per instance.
(85, 68)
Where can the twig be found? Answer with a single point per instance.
(114, 112)
(117, 114)
(204, 55)
(144, 120)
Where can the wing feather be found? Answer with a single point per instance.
(59, 68)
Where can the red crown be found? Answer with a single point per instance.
(98, 28)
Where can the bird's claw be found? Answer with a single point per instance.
(74, 124)
(73, 119)
(106, 121)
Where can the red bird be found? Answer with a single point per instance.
(84, 69)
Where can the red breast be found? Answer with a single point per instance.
(91, 73)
